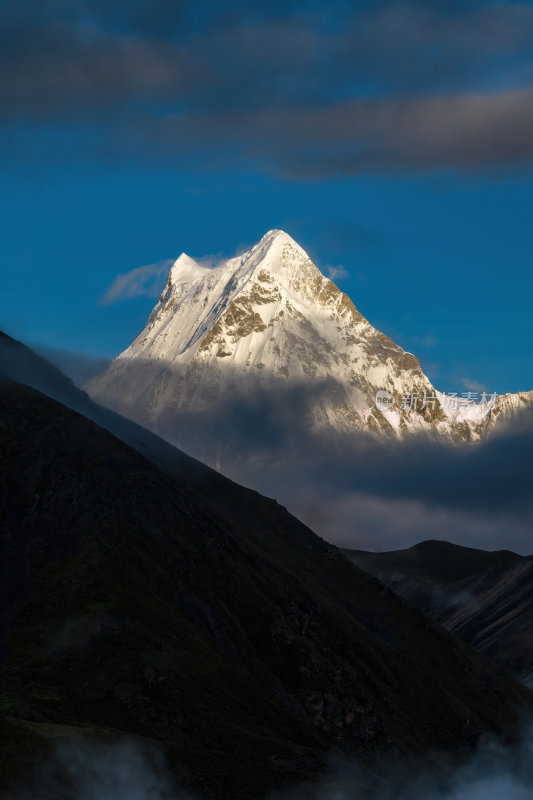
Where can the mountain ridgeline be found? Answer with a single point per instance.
(168, 605)
(265, 341)
(484, 597)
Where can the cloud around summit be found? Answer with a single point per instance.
(357, 491)
(147, 280)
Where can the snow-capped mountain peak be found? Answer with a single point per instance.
(185, 269)
(267, 322)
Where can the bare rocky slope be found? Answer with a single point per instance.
(484, 597)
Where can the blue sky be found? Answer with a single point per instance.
(392, 140)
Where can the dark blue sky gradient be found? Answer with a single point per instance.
(139, 149)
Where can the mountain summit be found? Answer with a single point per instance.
(258, 329)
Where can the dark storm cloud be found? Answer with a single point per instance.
(73, 71)
(492, 476)
(455, 131)
(385, 496)
(300, 88)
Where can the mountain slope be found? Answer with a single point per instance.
(134, 605)
(23, 365)
(19, 363)
(268, 330)
(265, 321)
(483, 597)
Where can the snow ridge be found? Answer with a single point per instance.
(266, 321)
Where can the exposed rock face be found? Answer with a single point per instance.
(264, 324)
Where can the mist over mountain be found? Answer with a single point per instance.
(264, 369)
(263, 345)
(266, 511)
(226, 635)
(79, 367)
(483, 597)
(356, 491)
(135, 772)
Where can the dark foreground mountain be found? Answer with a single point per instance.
(242, 645)
(23, 365)
(485, 598)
